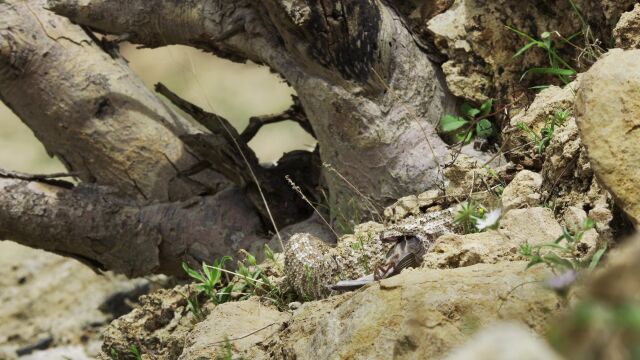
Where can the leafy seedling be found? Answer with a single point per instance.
(473, 123)
(562, 255)
(135, 352)
(207, 278)
(558, 67)
(543, 139)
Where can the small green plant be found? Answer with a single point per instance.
(270, 255)
(346, 219)
(563, 254)
(133, 350)
(549, 42)
(542, 139)
(557, 65)
(473, 217)
(498, 189)
(114, 354)
(227, 352)
(193, 305)
(467, 216)
(209, 278)
(248, 280)
(473, 123)
(364, 259)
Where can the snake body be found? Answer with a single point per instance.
(311, 265)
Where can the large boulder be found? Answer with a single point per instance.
(627, 31)
(608, 116)
(419, 314)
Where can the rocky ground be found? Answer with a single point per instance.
(54, 307)
(473, 297)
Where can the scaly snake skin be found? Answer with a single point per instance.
(311, 264)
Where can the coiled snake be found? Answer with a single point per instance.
(314, 269)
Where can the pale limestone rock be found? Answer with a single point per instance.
(44, 295)
(402, 208)
(627, 31)
(522, 191)
(479, 49)
(544, 106)
(613, 9)
(230, 321)
(574, 218)
(608, 116)
(63, 352)
(419, 314)
(504, 341)
(413, 205)
(603, 216)
(565, 157)
(534, 226)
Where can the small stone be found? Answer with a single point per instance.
(430, 198)
(602, 216)
(522, 191)
(504, 341)
(294, 305)
(574, 217)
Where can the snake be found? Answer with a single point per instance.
(315, 269)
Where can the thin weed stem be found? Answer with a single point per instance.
(236, 274)
(370, 205)
(297, 189)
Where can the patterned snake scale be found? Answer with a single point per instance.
(313, 266)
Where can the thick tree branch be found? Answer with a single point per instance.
(371, 95)
(90, 110)
(227, 28)
(107, 231)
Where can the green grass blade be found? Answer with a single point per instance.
(524, 35)
(549, 71)
(524, 49)
(595, 260)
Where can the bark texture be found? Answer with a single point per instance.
(107, 231)
(90, 110)
(123, 143)
(371, 94)
(366, 88)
